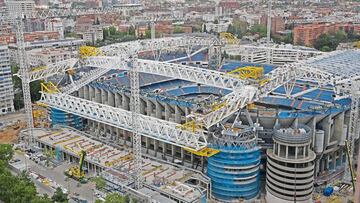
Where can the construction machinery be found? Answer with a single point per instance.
(77, 172)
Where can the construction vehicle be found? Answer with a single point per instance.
(77, 172)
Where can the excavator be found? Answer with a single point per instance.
(77, 172)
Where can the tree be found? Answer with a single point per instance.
(325, 48)
(6, 153)
(112, 30)
(204, 28)
(258, 29)
(99, 182)
(238, 28)
(177, 29)
(131, 30)
(114, 198)
(59, 196)
(43, 199)
(50, 154)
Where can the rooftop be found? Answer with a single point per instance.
(159, 176)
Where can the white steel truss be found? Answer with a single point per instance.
(233, 102)
(53, 69)
(134, 47)
(71, 12)
(85, 79)
(154, 128)
(189, 73)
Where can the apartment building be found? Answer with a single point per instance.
(307, 34)
(65, 44)
(49, 55)
(277, 23)
(26, 6)
(6, 85)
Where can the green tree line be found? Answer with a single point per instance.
(19, 189)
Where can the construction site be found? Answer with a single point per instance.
(164, 119)
(173, 120)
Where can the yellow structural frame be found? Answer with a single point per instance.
(248, 72)
(49, 88)
(207, 152)
(87, 51)
(229, 38)
(191, 126)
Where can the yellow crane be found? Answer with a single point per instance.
(77, 172)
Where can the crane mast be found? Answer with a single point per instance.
(353, 126)
(135, 110)
(25, 79)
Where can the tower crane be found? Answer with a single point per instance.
(353, 133)
(18, 17)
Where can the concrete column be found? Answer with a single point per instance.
(312, 125)
(86, 92)
(192, 157)
(296, 152)
(338, 125)
(97, 95)
(149, 107)
(167, 112)
(118, 100)
(202, 164)
(125, 102)
(287, 152)
(111, 99)
(326, 126)
(182, 155)
(173, 152)
(164, 150)
(142, 106)
(178, 113)
(81, 92)
(158, 109)
(147, 143)
(91, 93)
(334, 160)
(156, 146)
(104, 96)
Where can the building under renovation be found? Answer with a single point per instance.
(285, 141)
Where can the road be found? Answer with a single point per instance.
(57, 175)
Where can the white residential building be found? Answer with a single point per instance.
(6, 85)
(40, 57)
(220, 27)
(93, 35)
(68, 44)
(27, 6)
(55, 25)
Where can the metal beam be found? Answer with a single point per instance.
(154, 128)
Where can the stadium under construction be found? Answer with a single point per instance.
(211, 128)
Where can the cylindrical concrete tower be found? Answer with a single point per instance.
(290, 166)
(234, 171)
